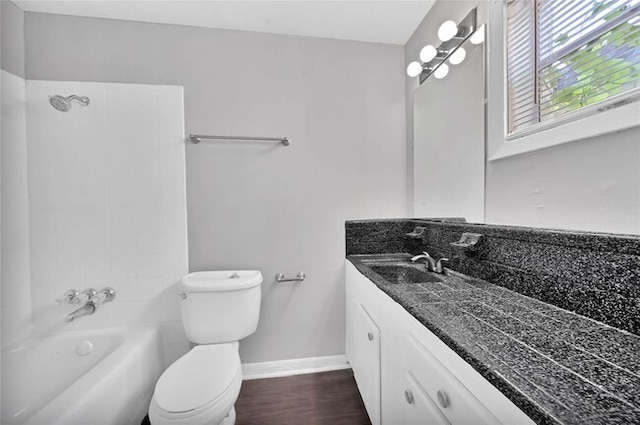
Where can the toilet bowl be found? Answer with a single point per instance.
(200, 388)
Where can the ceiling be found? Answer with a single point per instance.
(380, 21)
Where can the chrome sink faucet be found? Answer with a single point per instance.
(431, 264)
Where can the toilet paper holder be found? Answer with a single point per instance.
(299, 277)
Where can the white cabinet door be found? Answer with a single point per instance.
(363, 353)
(455, 402)
(404, 401)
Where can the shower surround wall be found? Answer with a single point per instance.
(16, 280)
(107, 204)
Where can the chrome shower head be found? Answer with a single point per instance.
(63, 104)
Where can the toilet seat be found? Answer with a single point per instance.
(200, 387)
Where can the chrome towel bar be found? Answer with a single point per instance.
(197, 138)
(299, 277)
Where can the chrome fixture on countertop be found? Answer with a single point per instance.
(431, 264)
(468, 242)
(417, 233)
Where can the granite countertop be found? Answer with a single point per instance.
(556, 366)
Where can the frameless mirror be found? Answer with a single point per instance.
(449, 139)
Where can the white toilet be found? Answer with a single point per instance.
(218, 309)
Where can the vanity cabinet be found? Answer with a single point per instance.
(411, 376)
(363, 350)
(405, 401)
(363, 346)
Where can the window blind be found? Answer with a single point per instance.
(565, 55)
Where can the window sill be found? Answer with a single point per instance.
(606, 122)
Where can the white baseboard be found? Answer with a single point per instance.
(294, 367)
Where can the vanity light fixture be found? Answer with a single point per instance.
(458, 56)
(427, 53)
(447, 30)
(452, 36)
(441, 72)
(478, 36)
(414, 69)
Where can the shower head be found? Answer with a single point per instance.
(63, 104)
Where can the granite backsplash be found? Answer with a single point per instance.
(593, 274)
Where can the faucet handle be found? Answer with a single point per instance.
(417, 233)
(468, 241)
(69, 297)
(103, 296)
(439, 267)
(85, 296)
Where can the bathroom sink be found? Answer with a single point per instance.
(404, 273)
(384, 259)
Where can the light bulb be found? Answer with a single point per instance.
(414, 69)
(442, 71)
(427, 53)
(447, 30)
(458, 56)
(478, 36)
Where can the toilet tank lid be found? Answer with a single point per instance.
(221, 280)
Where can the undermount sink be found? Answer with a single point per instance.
(404, 273)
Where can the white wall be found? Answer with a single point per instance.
(107, 204)
(15, 276)
(12, 130)
(12, 40)
(1, 37)
(591, 184)
(262, 206)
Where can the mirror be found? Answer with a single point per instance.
(449, 140)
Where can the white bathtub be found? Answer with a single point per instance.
(53, 380)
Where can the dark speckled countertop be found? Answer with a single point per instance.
(555, 365)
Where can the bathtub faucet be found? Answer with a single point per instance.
(86, 310)
(91, 298)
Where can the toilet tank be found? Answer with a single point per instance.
(221, 306)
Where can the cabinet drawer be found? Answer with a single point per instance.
(404, 401)
(452, 398)
(421, 409)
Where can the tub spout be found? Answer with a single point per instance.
(86, 310)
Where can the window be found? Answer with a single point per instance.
(567, 59)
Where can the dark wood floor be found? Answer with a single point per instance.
(327, 398)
